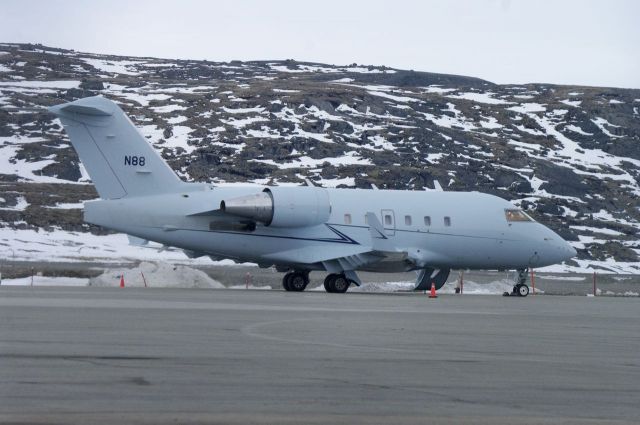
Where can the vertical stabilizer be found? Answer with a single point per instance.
(117, 157)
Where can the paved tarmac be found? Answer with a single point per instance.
(186, 356)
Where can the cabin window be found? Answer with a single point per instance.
(427, 220)
(516, 215)
(387, 220)
(447, 221)
(347, 219)
(407, 220)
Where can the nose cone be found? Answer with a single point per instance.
(570, 251)
(554, 249)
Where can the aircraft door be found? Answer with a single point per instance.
(389, 222)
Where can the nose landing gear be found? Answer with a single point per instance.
(520, 289)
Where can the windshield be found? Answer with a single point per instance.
(516, 215)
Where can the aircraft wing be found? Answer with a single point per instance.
(348, 255)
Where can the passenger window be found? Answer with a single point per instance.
(427, 220)
(347, 219)
(407, 220)
(447, 221)
(387, 220)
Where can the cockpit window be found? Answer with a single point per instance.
(516, 215)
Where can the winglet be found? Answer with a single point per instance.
(379, 240)
(136, 241)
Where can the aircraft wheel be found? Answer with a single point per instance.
(523, 290)
(341, 284)
(298, 281)
(286, 281)
(329, 283)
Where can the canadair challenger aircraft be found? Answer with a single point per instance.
(299, 229)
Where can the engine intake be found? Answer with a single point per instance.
(282, 206)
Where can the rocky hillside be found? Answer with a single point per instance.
(568, 155)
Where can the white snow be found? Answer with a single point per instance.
(4, 68)
(434, 157)
(449, 121)
(46, 281)
(257, 109)
(490, 123)
(603, 231)
(21, 205)
(615, 102)
(436, 89)
(113, 66)
(560, 278)
(144, 99)
(393, 97)
(157, 274)
(479, 98)
(68, 206)
(524, 108)
(240, 123)
(349, 158)
(340, 80)
(168, 108)
(601, 123)
(574, 103)
(32, 84)
(578, 130)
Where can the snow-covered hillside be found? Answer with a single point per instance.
(569, 155)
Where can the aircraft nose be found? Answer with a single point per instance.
(571, 251)
(564, 249)
(557, 249)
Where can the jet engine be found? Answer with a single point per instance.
(282, 206)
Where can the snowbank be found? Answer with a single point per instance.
(157, 275)
(46, 281)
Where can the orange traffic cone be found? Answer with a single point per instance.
(122, 280)
(432, 293)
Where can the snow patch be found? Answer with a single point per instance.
(480, 98)
(158, 275)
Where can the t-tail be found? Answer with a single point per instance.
(118, 158)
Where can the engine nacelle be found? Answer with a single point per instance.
(283, 206)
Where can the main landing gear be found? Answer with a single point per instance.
(295, 281)
(336, 283)
(520, 289)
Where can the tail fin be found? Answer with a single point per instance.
(118, 158)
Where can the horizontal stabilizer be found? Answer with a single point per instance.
(87, 108)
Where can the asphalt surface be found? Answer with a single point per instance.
(185, 356)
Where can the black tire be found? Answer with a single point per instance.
(298, 281)
(341, 284)
(523, 290)
(286, 279)
(329, 283)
